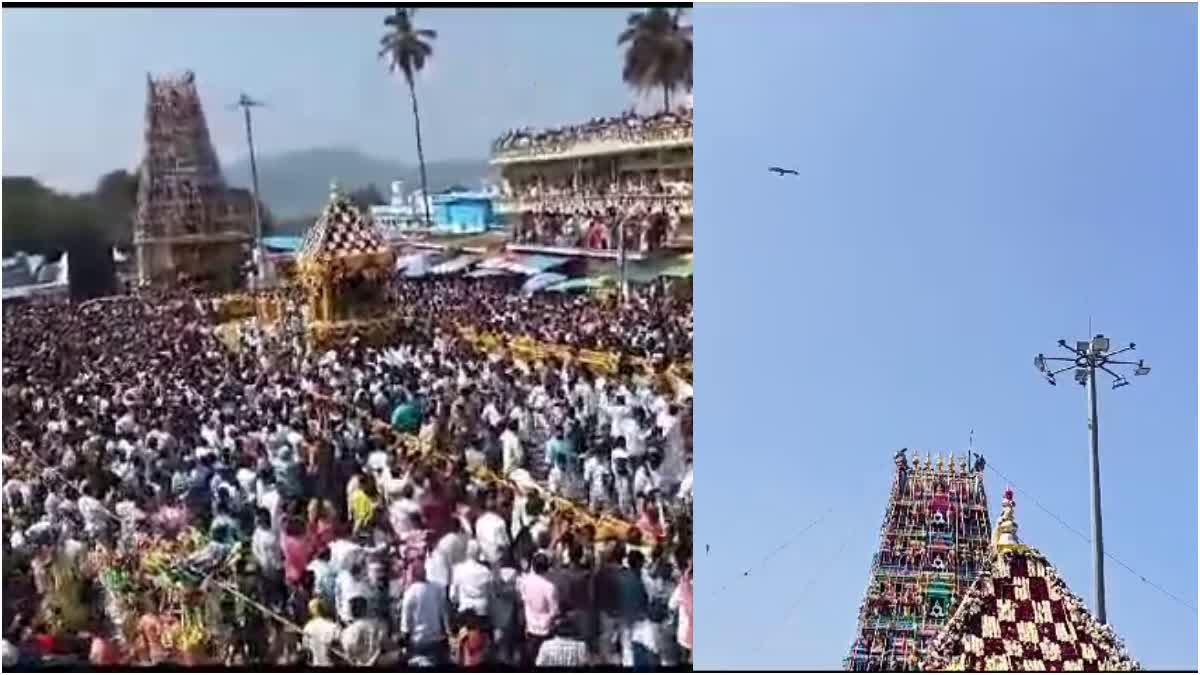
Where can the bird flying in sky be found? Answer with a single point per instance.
(779, 171)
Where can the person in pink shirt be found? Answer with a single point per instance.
(299, 544)
(681, 602)
(540, 600)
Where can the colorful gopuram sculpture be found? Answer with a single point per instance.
(343, 266)
(933, 546)
(186, 227)
(1020, 616)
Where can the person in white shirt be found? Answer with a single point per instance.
(471, 582)
(363, 639)
(401, 509)
(320, 634)
(492, 533)
(95, 516)
(634, 434)
(510, 445)
(268, 498)
(450, 550)
(685, 487)
(424, 618)
(647, 478)
(491, 414)
(617, 414)
(670, 424)
(351, 584)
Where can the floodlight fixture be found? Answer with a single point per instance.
(1081, 376)
(1100, 344)
(1120, 382)
(1050, 379)
(1082, 345)
(1039, 362)
(1142, 368)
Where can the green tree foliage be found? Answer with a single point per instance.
(115, 197)
(658, 51)
(41, 221)
(406, 49)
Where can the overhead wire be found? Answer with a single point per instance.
(787, 615)
(777, 550)
(1141, 577)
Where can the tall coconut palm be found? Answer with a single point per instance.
(658, 51)
(407, 48)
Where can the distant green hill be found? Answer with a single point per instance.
(295, 184)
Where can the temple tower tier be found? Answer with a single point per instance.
(934, 544)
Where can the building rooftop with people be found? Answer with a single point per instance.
(588, 187)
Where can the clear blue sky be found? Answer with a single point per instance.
(975, 181)
(74, 80)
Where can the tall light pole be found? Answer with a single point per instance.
(621, 260)
(246, 103)
(1086, 358)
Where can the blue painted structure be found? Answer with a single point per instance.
(463, 212)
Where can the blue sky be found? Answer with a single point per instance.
(975, 183)
(74, 80)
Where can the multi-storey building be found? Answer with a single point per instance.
(558, 184)
(186, 224)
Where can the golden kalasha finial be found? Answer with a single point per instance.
(941, 468)
(928, 462)
(951, 464)
(1005, 535)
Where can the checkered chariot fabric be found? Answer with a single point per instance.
(1020, 616)
(341, 231)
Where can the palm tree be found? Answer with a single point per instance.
(407, 48)
(658, 52)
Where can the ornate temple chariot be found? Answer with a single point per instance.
(343, 267)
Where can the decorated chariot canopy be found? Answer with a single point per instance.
(1021, 616)
(344, 242)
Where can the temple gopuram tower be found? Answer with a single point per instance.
(933, 546)
(186, 226)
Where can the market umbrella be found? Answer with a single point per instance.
(540, 281)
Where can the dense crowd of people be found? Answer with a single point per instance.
(535, 514)
(654, 323)
(587, 223)
(590, 189)
(629, 126)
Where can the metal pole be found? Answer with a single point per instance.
(621, 263)
(254, 181)
(1097, 523)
